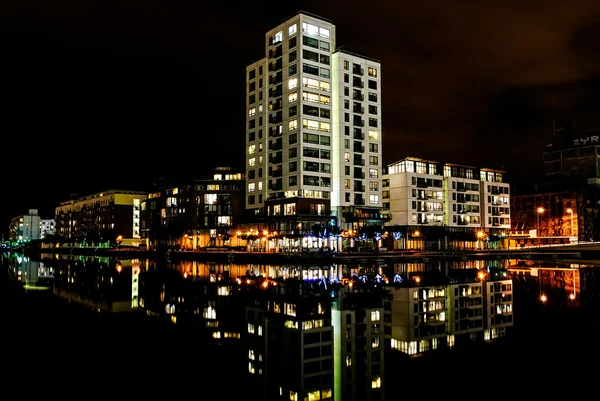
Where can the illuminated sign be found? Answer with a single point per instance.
(586, 140)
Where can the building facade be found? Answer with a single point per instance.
(444, 203)
(200, 214)
(100, 217)
(25, 228)
(313, 130)
(47, 228)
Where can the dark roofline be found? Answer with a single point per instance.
(308, 14)
(352, 52)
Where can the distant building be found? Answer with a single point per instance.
(197, 214)
(100, 217)
(25, 228)
(566, 200)
(47, 228)
(442, 203)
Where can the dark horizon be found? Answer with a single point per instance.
(97, 97)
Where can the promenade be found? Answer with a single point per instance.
(583, 252)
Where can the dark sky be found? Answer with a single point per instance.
(98, 94)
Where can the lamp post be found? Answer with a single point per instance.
(540, 210)
(570, 211)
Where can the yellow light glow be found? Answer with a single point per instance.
(541, 210)
(569, 210)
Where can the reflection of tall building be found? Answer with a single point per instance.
(425, 318)
(190, 296)
(28, 270)
(357, 318)
(297, 363)
(465, 311)
(102, 284)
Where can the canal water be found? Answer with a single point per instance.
(424, 327)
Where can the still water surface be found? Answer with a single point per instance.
(343, 331)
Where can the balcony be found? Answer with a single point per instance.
(359, 135)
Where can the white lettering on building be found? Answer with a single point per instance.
(585, 141)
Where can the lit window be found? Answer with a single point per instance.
(293, 83)
(251, 187)
(252, 112)
(373, 135)
(251, 149)
(293, 125)
(346, 156)
(372, 72)
(292, 97)
(260, 185)
(373, 199)
(292, 29)
(252, 161)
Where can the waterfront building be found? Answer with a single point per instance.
(25, 228)
(109, 216)
(313, 134)
(199, 214)
(47, 228)
(442, 205)
(428, 317)
(564, 205)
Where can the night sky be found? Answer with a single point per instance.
(98, 95)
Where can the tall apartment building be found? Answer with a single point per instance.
(422, 197)
(313, 121)
(100, 217)
(25, 228)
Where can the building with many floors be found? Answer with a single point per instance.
(313, 131)
(25, 228)
(197, 214)
(100, 217)
(444, 203)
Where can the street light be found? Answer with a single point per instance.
(540, 211)
(570, 211)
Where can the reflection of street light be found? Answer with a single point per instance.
(570, 211)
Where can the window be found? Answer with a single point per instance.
(251, 149)
(251, 187)
(372, 72)
(374, 199)
(292, 97)
(293, 83)
(292, 30)
(252, 161)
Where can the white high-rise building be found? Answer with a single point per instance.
(313, 128)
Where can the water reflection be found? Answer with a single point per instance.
(340, 331)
